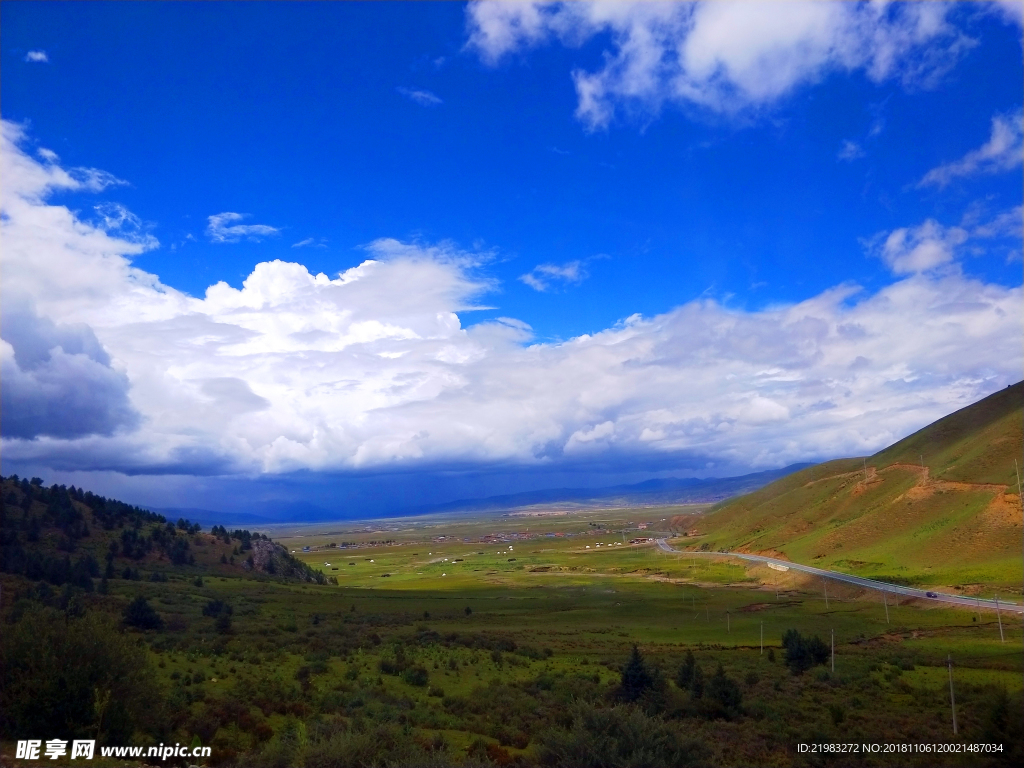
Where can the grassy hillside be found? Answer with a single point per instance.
(954, 521)
(976, 444)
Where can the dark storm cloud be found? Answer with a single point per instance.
(59, 382)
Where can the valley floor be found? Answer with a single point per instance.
(496, 645)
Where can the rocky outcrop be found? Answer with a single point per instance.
(271, 558)
(264, 554)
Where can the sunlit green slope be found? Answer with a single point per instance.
(955, 521)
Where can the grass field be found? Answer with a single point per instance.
(574, 613)
(501, 640)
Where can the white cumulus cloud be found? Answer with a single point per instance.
(37, 57)
(931, 245)
(722, 56)
(918, 249)
(28, 180)
(376, 368)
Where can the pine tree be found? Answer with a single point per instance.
(684, 678)
(697, 684)
(636, 678)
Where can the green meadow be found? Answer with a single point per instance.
(529, 639)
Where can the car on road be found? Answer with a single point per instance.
(930, 594)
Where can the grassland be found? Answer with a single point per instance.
(300, 653)
(495, 640)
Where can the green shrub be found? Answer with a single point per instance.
(377, 745)
(75, 678)
(223, 624)
(618, 737)
(1004, 724)
(216, 608)
(417, 676)
(140, 614)
(837, 712)
(802, 653)
(722, 696)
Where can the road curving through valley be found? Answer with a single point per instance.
(881, 586)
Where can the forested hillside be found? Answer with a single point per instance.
(66, 535)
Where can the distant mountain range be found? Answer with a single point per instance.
(660, 492)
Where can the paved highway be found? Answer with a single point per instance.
(967, 602)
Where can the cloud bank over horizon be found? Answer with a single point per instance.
(377, 369)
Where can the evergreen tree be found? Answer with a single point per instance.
(802, 653)
(140, 614)
(636, 678)
(697, 684)
(722, 695)
(684, 678)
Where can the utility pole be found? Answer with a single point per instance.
(1020, 496)
(833, 651)
(952, 698)
(885, 602)
(825, 584)
(865, 470)
(762, 638)
(999, 618)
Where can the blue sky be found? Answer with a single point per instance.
(607, 241)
